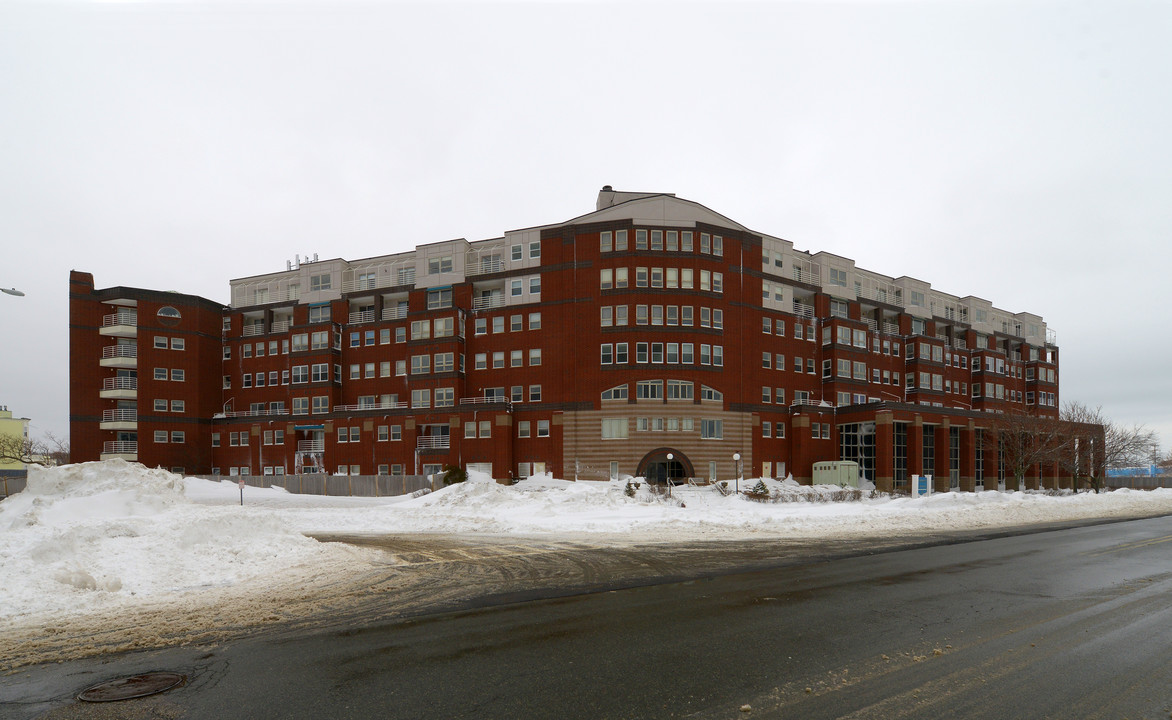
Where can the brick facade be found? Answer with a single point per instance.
(651, 326)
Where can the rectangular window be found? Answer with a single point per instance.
(178, 436)
(177, 344)
(711, 429)
(615, 428)
(605, 241)
(534, 356)
(523, 429)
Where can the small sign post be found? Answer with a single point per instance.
(241, 490)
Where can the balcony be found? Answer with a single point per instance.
(279, 326)
(394, 313)
(362, 316)
(433, 442)
(253, 329)
(119, 388)
(484, 266)
(251, 413)
(488, 301)
(120, 419)
(399, 405)
(120, 324)
(119, 356)
(803, 310)
(123, 449)
(490, 400)
(311, 446)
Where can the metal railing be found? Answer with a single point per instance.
(120, 318)
(120, 415)
(433, 442)
(488, 301)
(311, 446)
(362, 316)
(119, 351)
(394, 313)
(279, 326)
(803, 310)
(397, 405)
(121, 447)
(253, 329)
(484, 400)
(484, 267)
(251, 413)
(120, 383)
(806, 276)
(890, 328)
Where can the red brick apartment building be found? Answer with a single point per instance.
(590, 349)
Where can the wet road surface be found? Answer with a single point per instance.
(1071, 622)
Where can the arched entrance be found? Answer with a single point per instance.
(657, 468)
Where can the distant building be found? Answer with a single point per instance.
(12, 428)
(651, 336)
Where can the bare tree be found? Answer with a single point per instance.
(1026, 441)
(1123, 446)
(51, 451)
(57, 449)
(22, 450)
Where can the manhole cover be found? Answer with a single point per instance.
(128, 688)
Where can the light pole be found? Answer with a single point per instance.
(12, 291)
(737, 460)
(667, 475)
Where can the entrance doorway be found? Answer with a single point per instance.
(657, 467)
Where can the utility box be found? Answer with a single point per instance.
(844, 473)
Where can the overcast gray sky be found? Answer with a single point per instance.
(1017, 151)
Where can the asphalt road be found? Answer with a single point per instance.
(1067, 623)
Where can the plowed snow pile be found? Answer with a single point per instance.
(110, 535)
(91, 536)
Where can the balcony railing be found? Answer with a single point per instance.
(254, 329)
(484, 267)
(890, 328)
(251, 413)
(120, 318)
(363, 316)
(488, 301)
(120, 447)
(279, 326)
(120, 415)
(398, 405)
(119, 351)
(803, 310)
(394, 313)
(314, 446)
(484, 400)
(806, 276)
(433, 442)
(120, 383)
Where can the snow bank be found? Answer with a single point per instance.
(95, 535)
(110, 535)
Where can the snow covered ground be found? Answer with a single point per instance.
(112, 536)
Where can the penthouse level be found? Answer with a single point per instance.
(651, 336)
